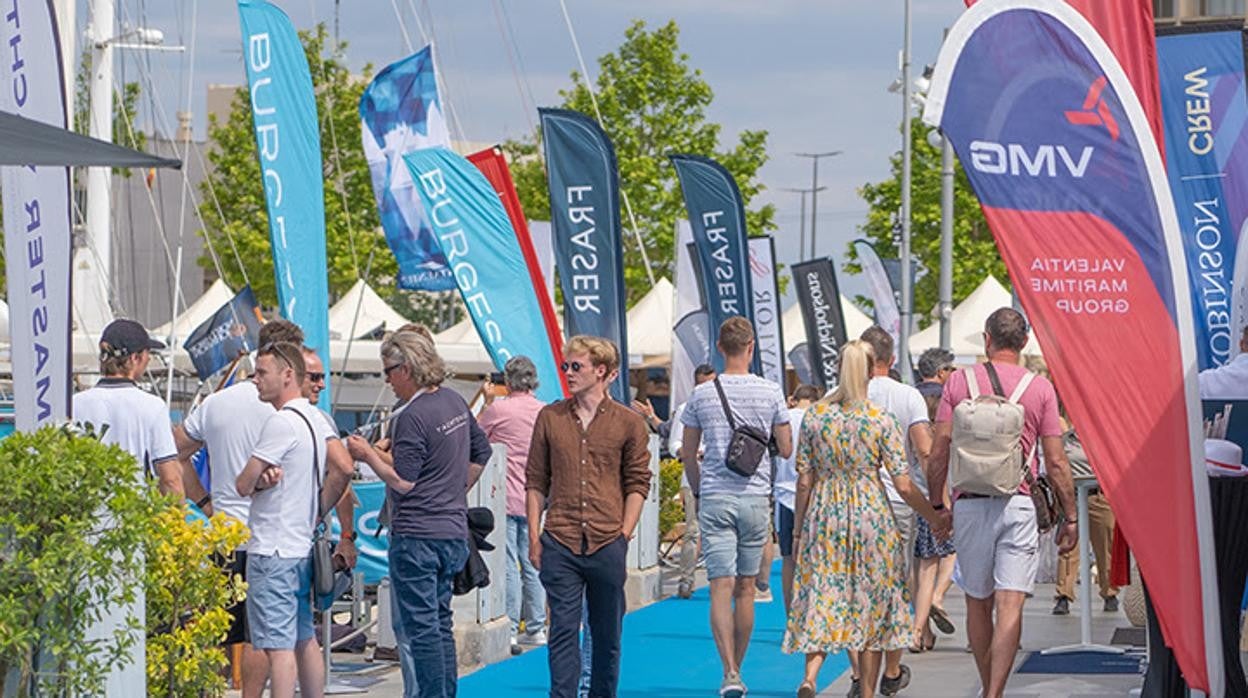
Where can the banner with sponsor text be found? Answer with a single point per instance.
(769, 335)
(820, 296)
(231, 331)
(1059, 150)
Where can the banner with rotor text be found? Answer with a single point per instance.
(472, 227)
(38, 230)
(493, 164)
(883, 295)
(820, 297)
(765, 287)
(231, 331)
(402, 112)
(1060, 152)
(717, 215)
(288, 144)
(1206, 118)
(584, 184)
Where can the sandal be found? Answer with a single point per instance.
(806, 690)
(941, 620)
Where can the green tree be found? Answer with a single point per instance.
(355, 245)
(974, 251)
(653, 103)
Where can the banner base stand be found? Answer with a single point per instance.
(1072, 649)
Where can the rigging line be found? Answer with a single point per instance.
(444, 92)
(515, 72)
(186, 183)
(346, 357)
(519, 56)
(593, 99)
(402, 25)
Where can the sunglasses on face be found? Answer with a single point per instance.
(576, 366)
(272, 349)
(388, 369)
(316, 376)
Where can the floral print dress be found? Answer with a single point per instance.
(850, 590)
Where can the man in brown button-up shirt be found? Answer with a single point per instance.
(589, 464)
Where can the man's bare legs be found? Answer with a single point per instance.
(995, 647)
(255, 671)
(732, 619)
(311, 669)
(282, 671)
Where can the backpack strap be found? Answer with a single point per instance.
(1021, 387)
(972, 384)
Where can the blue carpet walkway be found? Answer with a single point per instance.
(668, 652)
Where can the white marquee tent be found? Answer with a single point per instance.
(856, 322)
(195, 314)
(967, 324)
(374, 314)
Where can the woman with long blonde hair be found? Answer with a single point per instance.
(850, 592)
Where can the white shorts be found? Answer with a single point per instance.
(997, 543)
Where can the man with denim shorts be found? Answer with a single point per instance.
(734, 512)
(996, 537)
(282, 478)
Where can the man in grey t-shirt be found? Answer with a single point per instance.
(734, 511)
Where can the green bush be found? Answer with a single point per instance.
(671, 508)
(74, 517)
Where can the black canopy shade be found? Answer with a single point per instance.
(28, 142)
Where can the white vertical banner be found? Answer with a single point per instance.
(687, 300)
(769, 342)
(37, 227)
(544, 246)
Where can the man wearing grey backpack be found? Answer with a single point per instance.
(995, 526)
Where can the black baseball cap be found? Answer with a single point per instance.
(124, 337)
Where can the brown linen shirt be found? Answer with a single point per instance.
(586, 475)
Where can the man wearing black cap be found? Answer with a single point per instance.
(138, 422)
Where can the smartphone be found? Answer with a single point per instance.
(497, 378)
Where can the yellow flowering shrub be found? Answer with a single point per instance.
(188, 592)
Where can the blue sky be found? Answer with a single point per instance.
(814, 74)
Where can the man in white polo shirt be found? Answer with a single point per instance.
(138, 422)
(284, 479)
(1229, 381)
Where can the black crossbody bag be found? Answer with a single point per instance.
(748, 444)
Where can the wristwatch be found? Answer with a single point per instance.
(352, 536)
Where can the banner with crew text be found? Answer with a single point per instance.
(231, 331)
(37, 227)
(883, 295)
(765, 287)
(1060, 153)
(1206, 123)
(480, 245)
(288, 144)
(493, 164)
(820, 296)
(717, 214)
(585, 216)
(402, 112)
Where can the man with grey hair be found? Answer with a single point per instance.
(509, 422)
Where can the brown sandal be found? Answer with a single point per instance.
(806, 690)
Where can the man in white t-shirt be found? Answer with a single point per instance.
(284, 479)
(786, 491)
(908, 407)
(734, 512)
(1230, 381)
(138, 422)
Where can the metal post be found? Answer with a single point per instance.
(946, 242)
(814, 192)
(903, 354)
(801, 248)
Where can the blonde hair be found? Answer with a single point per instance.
(602, 352)
(855, 372)
(417, 352)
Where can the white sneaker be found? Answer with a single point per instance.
(763, 595)
(537, 639)
(732, 686)
(515, 646)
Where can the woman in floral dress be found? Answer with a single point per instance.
(850, 592)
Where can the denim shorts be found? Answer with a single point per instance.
(734, 530)
(279, 601)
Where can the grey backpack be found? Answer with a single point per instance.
(986, 456)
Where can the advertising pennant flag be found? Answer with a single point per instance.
(585, 215)
(883, 297)
(823, 316)
(288, 143)
(401, 112)
(233, 330)
(476, 235)
(717, 214)
(37, 228)
(693, 335)
(799, 357)
(1059, 151)
(769, 342)
(1206, 120)
(493, 165)
(688, 300)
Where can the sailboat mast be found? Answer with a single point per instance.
(94, 260)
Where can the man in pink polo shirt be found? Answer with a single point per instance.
(509, 421)
(996, 537)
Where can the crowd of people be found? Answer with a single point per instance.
(863, 490)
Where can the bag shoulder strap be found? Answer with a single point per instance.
(723, 400)
(1022, 387)
(316, 467)
(994, 379)
(972, 383)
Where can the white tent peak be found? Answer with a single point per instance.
(856, 322)
(195, 314)
(650, 321)
(966, 323)
(374, 313)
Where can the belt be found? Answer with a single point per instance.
(971, 495)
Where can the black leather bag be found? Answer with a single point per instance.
(475, 574)
(748, 444)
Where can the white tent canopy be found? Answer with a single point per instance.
(966, 324)
(856, 322)
(373, 314)
(217, 295)
(650, 321)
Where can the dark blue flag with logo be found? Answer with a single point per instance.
(585, 220)
(694, 334)
(233, 330)
(717, 215)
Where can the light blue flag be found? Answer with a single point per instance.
(480, 246)
(288, 143)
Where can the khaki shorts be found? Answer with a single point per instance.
(997, 543)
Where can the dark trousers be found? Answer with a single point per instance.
(421, 570)
(599, 578)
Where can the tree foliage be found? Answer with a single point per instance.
(653, 104)
(974, 251)
(355, 245)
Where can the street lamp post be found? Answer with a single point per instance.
(801, 248)
(814, 192)
(903, 354)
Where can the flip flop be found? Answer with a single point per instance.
(941, 620)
